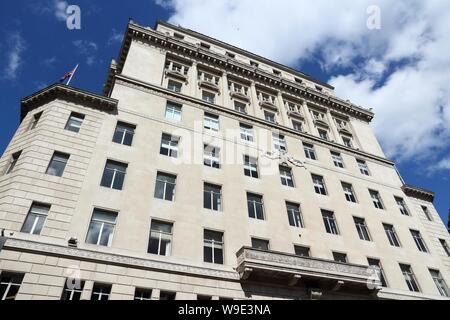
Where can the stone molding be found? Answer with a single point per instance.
(116, 259)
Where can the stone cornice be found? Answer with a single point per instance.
(201, 55)
(418, 193)
(243, 52)
(67, 93)
(181, 98)
(116, 259)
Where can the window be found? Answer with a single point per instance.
(246, 132)
(237, 88)
(323, 134)
(310, 153)
(167, 295)
(201, 297)
(363, 168)
(298, 80)
(160, 242)
(208, 77)
(208, 97)
(230, 55)
(211, 157)
(73, 288)
(319, 185)
(297, 125)
(362, 229)
(35, 120)
(279, 142)
(114, 175)
(269, 116)
(142, 294)
(176, 67)
(266, 98)
(250, 167)
(213, 247)
(260, 244)
(420, 243)
(101, 228)
(57, 164)
(376, 199)
(302, 251)
(375, 263)
(402, 206)
(410, 278)
(294, 215)
(178, 36)
(211, 122)
(427, 213)
(12, 162)
(74, 123)
(169, 145)
(337, 159)
(330, 222)
(35, 219)
(276, 72)
(101, 291)
(165, 186)
(9, 285)
(440, 283)
(286, 176)
(205, 45)
(255, 206)
(212, 197)
(124, 133)
(173, 112)
(320, 116)
(240, 107)
(319, 88)
(347, 141)
(340, 257)
(445, 247)
(391, 234)
(349, 193)
(174, 86)
(254, 64)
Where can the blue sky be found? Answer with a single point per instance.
(401, 70)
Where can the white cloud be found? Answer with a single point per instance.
(115, 37)
(15, 48)
(401, 71)
(88, 49)
(59, 9)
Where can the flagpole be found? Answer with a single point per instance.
(71, 76)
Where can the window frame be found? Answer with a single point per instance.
(115, 173)
(253, 204)
(252, 170)
(160, 235)
(112, 224)
(310, 151)
(159, 181)
(362, 228)
(212, 197)
(60, 160)
(295, 217)
(173, 111)
(38, 216)
(392, 236)
(213, 242)
(77, 119)
(321, 188)
(330, 222)
(169, 146)
(127, 131)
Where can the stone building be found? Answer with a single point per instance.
(207, 172)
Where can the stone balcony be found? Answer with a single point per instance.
(316, 274)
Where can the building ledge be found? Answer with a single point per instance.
(418, 193)
(67, 93)
(322, 275)
(128, 261)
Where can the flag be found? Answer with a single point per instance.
(68, 75)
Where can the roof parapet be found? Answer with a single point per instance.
(419, 193)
